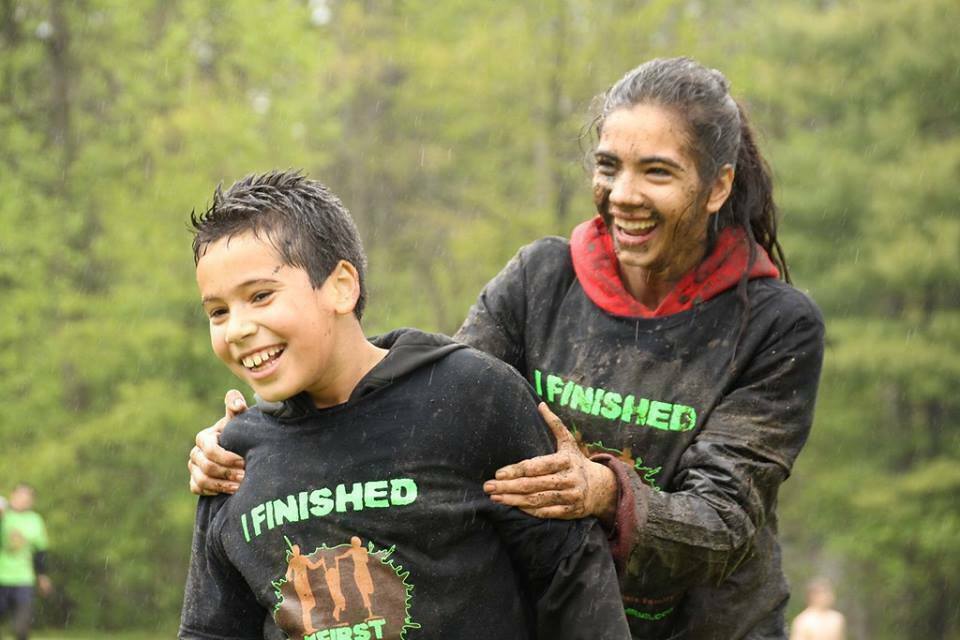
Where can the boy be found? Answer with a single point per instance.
(23, 551)
(363, 515)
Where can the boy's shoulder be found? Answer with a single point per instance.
(412, 349)
(473, 361)
(247, 428)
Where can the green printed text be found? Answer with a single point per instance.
(612, 405)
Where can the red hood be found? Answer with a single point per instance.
(596, 266)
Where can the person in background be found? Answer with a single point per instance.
(666, 336)
(819, 621)
(23, 550)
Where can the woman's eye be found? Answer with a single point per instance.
(260, 296)
(658, 172)
(213, 314)
(606, 166)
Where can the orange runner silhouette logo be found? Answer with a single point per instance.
(347, 592)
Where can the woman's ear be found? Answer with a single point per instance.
(346, 287)
(721, 189)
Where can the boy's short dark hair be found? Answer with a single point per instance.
(304, 221)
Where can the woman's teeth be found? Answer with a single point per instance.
(636, 226)
(259, 358)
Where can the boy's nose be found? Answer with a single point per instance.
(238, 329)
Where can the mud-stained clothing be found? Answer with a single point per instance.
(700, 422)
(368, 520)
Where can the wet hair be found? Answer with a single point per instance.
(304, 221)
(718, 135)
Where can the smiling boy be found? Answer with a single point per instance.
(362, 514)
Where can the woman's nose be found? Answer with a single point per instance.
(627, 190)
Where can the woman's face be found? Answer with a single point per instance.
(647, 189)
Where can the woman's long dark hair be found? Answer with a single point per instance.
(719, 135)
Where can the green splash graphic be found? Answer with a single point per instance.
(647, 473)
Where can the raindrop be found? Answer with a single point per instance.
(320, 13)
(203, 50)
(260, 101)
(44, 30)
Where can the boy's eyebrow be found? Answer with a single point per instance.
(243, 285)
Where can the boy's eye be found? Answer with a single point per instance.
(658, 172)
(217, 312)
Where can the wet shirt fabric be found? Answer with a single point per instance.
(23, 537)
(368, 520)
(700, 425)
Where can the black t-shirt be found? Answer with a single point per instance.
(702, 424)
(368, 519)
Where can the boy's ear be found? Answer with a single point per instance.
(346, 287)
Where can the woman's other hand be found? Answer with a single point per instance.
(212, 468)
(563, 485)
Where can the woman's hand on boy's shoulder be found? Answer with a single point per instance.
(562, 485)
(212, 468)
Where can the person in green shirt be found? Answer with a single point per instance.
(23, 547)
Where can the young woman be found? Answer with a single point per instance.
(662, 337)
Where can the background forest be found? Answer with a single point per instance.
(455, 131)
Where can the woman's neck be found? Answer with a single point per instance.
(650, 286)
(644, 285)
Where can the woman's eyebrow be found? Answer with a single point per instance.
(606, 155)
(661, 160)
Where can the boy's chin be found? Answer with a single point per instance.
(268, 395)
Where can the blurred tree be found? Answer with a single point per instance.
(867, 148)
(456, 132)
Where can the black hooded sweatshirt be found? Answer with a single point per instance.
(367, 520)
(699, 421)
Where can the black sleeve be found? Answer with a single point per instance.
(217, 602)
(727, 482)
(565, 565)
(495, 322)
(39, 562)
(583, 581)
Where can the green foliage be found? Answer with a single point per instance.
(867, 148)
(456, 132)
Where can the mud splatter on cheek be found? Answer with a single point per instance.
(601, 196)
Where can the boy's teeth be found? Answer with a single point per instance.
(251, 362)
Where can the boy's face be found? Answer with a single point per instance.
(267, 323)
(21, 499)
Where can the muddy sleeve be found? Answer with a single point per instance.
(217, 602)
(726, 487)
(495, 323)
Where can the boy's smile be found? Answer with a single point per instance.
(267, 322)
